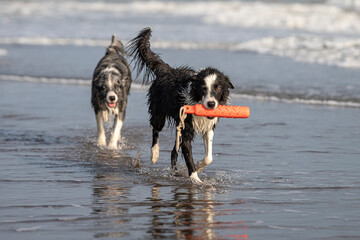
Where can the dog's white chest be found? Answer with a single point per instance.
(203, 124)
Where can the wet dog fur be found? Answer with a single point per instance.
(109, 91)
(170, 89)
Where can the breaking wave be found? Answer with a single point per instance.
(339, 52)
(350, 5)
(3, 52)
(330, 17)
(322, 33)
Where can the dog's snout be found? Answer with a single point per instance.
(112, 98)
(211, 104)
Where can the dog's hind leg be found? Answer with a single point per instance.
(157, 124)
(208, 141)
(174, 156)
(116, 135)
(101, 138)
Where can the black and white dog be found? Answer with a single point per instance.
(109, 91)
(170, 90)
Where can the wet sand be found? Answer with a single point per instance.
(290, 171)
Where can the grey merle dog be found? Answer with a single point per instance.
(170, 89)
(109, 91)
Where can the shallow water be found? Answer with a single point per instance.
(254, 76)
(289, 172)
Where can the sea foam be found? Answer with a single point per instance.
(330, 17)
(3, 52)
(340, 52)
(326, 33)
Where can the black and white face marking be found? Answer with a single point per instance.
(209, 98)
(109, 85)
(210, 87)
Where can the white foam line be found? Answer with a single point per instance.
(140, 87)
(67, 219)
(286, 228)
(46, 41)
(332, 103)
(62, 81)
(30, 229)
(3, 52)
(65, 81)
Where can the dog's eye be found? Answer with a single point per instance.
(218, 88)
(204, 88)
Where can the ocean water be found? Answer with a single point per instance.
(320, 39)
(290, 171)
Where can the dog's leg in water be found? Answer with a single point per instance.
(155, 149)
(101, 139)
(116, 136)
(187, 152)
(174, 156)
(208, 141)
(157, 122)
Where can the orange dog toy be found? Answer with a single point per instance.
(224, 111)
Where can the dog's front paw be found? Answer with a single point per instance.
(194, 178)
(202, 164)
(155, 150)
(113, 146)
(101, 142)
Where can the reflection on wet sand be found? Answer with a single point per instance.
(194, 214)
(191, 212)
(110, 195)
(190, 215)
(177, 211)
(108, 198)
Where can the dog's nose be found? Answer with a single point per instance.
(112, 98)
(211, 104)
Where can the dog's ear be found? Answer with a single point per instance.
(228, 82)
(193, 79)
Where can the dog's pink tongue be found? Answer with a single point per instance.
(111, 105)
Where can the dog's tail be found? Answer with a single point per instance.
(116, 46)
(145, 58)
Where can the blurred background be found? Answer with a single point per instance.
(283, 50)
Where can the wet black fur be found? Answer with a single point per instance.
(172, 88)
(114, 57)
